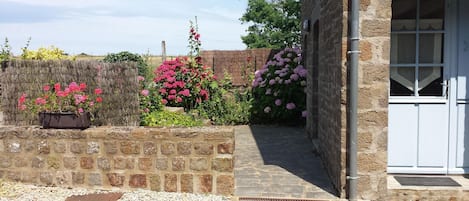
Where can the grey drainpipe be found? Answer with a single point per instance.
(354, 57)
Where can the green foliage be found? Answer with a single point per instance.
(5, 53)
(169, 119)
(227, 106)
(274, 24)
(126, 56)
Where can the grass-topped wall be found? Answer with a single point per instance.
(117, 80)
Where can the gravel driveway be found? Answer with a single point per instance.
(24, 192)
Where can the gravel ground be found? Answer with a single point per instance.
(24, 192)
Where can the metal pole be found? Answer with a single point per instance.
(354, 58)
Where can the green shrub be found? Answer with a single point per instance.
(279, 90)
(227, 106)
(165, 118)
(126, 56)
(5, 52)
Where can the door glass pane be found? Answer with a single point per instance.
(430, 79)
(403, 48)
(431, 48)
(402, 81)
(432, 13)
(404, 9)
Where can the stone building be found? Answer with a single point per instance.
(412, 90)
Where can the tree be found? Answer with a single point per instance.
(273, 23)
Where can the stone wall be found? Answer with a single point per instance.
(197, 160)
(375, 24)
(330, 116)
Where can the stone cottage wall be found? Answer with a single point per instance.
(331, 97)
(375, 24)
(329, 118)
(197, 160)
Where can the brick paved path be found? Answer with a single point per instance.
(278, 162)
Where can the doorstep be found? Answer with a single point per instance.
(396, 191)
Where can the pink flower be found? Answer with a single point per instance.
(57, 87)
(291, 106)
(40, 101)
(185, 92)
(162, 91)
(272, 82)
(99, 99)
(140, 78)
(73, 86)
(164, 101)
(294, 77)
(171, 97)
(98, 91)
(204, 94)
(62, 93)
(172, 91)
(145, 92)
(146, 110)
(178, 99)
(304, 113)
(46, 88)
(278, 102)
(82, 86)
(80, 110)
(267, 109)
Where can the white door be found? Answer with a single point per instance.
(419, 102)
(459, 130)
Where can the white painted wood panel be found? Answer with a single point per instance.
(432, 135)
(402, 137)
(462, 144)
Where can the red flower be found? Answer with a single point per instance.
(57, 87)
(82, 86)
(98, 91)
(99, 99)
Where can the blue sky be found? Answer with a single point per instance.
(99, 27)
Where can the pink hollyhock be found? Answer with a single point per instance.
(172, 91)
(162, 91)
(164, 101)
(99, 99)
(80, 110)
(140, 78)
(204, 94)
(178, 99)
(171, 97)
(272, 82)
(62, 93)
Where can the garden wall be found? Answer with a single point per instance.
(118, 80)
(198, 160)
(240, 64)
